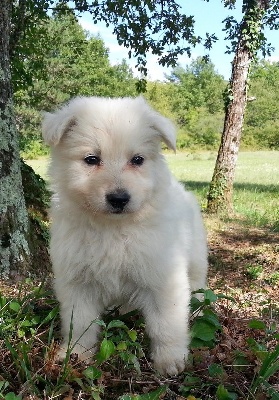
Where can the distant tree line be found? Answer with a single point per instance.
(71, 63)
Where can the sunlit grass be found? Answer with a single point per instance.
(256, 186)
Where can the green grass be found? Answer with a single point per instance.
(256, 187)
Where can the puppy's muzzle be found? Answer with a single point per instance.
(118, 200)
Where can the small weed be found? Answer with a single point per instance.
(273, 279)
(254, 272)
(206, 324)
(268, 358)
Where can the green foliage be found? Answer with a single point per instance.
(119, 344)
(249, 32)
(29, 325)
(196, 104)
(224, 394)
(254, 271)
(193, 97)
(154, 395)
(268, 359)
(53, 60)
(10, 395)
(21, 320)
(73, 64)
(261, 120)
(28, 41)
(206, 325)
(199, 85)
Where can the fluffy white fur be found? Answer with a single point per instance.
(151, 254)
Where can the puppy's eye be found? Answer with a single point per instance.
(137, 160)
(92, 160)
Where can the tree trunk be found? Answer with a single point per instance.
(14, 225)
(221, 186)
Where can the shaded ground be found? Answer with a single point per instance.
(244, 264)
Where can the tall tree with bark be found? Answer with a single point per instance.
(247, 38)
(14, 225)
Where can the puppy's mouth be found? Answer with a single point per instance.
(117, 211)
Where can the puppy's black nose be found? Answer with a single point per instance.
(118, 199)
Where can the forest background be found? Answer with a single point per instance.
(72, 62)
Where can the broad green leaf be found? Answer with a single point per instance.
(116, 324)
(210, 296)
(92, 373)
(26, 323)
(216, 370)
(212, 318)
(36, 320)
(191, 380)
(195, 304)
(132, 335)
(100, 323)
(122, 346)
(203, 330)
(15, 306)
(156, 395)
(256, 324)
(199, 344)
(223, 394)
(107, 349)
(12, 396)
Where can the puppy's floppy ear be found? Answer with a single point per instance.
(163, 126)
(166, 130)
(55, 124)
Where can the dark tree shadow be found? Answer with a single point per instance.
(250, 187)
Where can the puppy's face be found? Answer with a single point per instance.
(105, 153)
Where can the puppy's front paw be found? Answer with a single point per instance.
(168, 360)
(83, 355)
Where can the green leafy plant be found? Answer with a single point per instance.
(154, 395)
(120, 343)
(8, 396)
(254, 271)
(206, 325)
(268, 359)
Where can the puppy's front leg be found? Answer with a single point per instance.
(78, 310)
(166, 315)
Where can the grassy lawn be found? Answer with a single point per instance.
(256, 186)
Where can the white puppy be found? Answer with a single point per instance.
(124, 230)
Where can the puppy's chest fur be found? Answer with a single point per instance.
(117, 260)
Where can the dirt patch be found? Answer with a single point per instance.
(244, 264)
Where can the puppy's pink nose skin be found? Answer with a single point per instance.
(118, 200)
